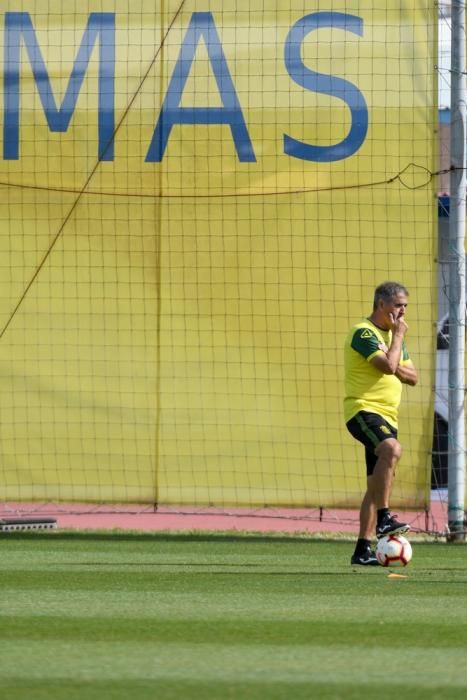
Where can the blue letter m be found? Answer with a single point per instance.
(17, 25)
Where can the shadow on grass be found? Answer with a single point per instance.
(168, 536)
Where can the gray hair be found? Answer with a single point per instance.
(387, 291)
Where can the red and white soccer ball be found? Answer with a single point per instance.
(393, 550)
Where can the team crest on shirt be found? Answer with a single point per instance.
(366, 333)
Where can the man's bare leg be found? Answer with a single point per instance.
(367, 514)
(379, 486)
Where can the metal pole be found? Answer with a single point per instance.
(456, 408)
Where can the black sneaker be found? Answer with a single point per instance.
(390, 526)
(366, 558)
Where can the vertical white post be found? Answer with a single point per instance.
(456, 381)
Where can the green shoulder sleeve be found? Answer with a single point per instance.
(405, 352)
(365, 341)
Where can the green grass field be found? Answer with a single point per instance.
(97, 616)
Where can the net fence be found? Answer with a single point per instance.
(197, 202)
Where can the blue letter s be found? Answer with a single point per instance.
(328, 85)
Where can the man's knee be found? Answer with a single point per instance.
(390, 449)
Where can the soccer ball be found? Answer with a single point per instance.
(393, 550)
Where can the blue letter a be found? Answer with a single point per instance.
(201, 25)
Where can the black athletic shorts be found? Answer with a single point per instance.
(370, 429)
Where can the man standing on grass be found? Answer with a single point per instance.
(376, 365)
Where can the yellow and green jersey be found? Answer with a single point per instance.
(366, 388)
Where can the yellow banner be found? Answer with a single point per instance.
(196, 204)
